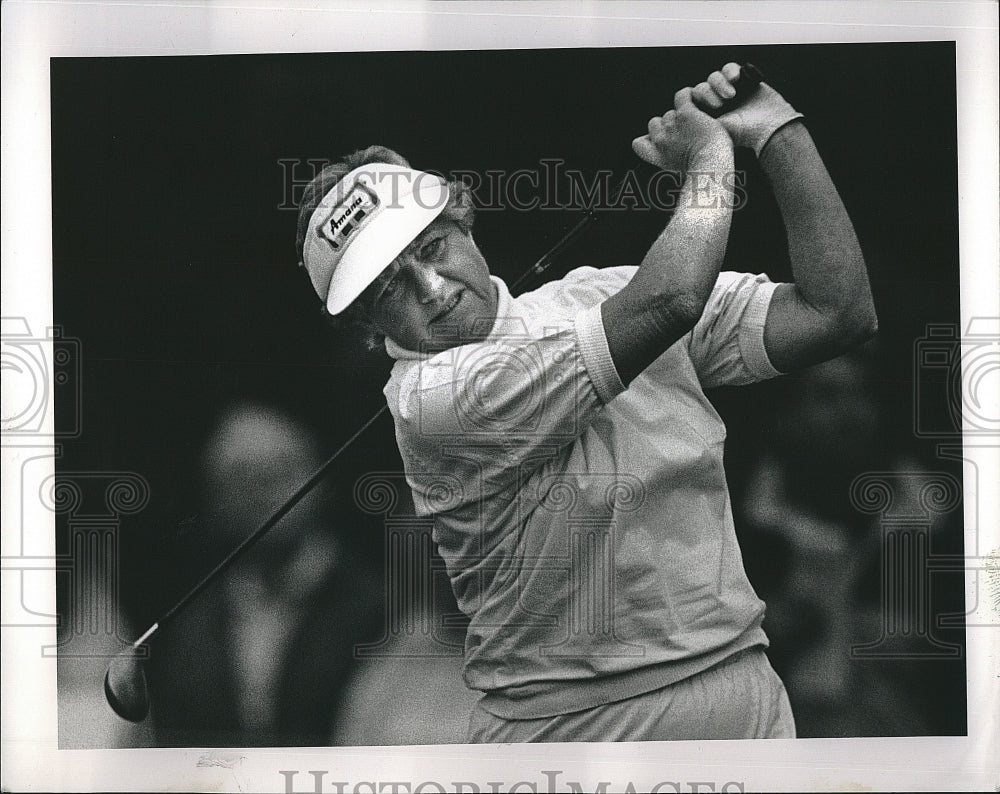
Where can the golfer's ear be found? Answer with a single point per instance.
(462, 194)
(462, 198)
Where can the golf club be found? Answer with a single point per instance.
(125, 684)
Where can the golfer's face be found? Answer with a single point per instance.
(437, 294)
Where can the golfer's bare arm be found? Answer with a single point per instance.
(829, 308)
(667, 295)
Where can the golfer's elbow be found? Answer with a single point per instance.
(866, 327)
(640, 325)
(855, 323)
(858, 319)
(675, 313)
(840, 299)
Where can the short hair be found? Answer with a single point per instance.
(459, 209)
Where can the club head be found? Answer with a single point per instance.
(125, 687)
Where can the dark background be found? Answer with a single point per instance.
(174, 264)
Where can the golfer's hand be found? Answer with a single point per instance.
(680, 138)
(752, 123)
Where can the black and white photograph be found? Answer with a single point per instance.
(595, 400)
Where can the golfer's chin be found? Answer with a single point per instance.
(445, 336)
(461, 328)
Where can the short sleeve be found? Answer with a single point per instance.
(590, 287)
(726, 345)
(597, 355)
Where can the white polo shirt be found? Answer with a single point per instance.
(586, 528)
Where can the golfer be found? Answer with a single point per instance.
(562, 440)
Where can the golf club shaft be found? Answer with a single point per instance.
(750, 77)
(258, 533)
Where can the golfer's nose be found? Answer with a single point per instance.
(430, 286)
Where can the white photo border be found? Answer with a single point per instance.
(35, 31)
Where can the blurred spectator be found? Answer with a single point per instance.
(261, 657)
(816, 559)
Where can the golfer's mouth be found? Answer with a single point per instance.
(447, 309)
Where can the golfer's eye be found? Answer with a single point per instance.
(391, 287)
(431, 248)
(386, 291)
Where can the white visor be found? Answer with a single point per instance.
(363, 223)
